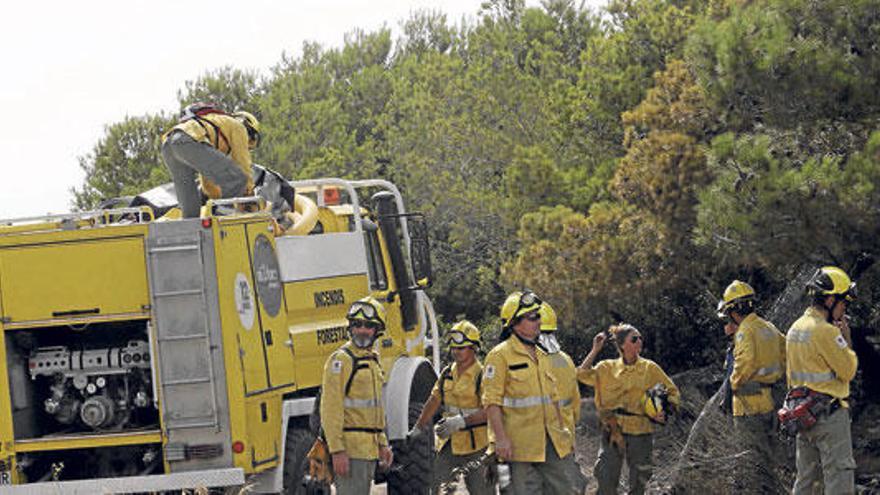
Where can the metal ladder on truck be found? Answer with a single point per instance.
(190, 372)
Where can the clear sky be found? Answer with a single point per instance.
(69, 68)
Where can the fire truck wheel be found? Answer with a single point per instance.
(413, 461)
(297, 445)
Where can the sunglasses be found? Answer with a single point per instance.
(531, 316)
(635, 338)
(372, 325)
(367, 310)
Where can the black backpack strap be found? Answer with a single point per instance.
(217, 133)
(357, 363)
(445, 374)
(479, 382)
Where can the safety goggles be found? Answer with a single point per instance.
(365, 309)
(527, 300)
(372, 325)
(459, 339)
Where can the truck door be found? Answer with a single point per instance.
(239, 307)
(271, 309)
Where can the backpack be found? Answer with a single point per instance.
(196, 111)
(357, 364)
(445, 375)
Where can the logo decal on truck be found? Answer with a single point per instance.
(329, 298)
(332, 335)
(244, 301)
(267, 275)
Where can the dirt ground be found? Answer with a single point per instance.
(698, 452)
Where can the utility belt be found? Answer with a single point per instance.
(803, 408)
(623, 412)
(362, 429)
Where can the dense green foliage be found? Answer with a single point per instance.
(626, 163)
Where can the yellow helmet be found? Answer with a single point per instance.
(655, 401)
(831, 281)
(548, 318)
(367, 309)
(735, 293)
(465, 334)
(516, 304)
(252, 125)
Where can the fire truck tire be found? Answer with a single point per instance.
(413, 462)
(297, 445)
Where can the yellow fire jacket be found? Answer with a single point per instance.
(620, 388)
(460, 395)
(818, 357)
(354, 419)
(565, 372)
(526, 391)
(233, 141)
(758, 362)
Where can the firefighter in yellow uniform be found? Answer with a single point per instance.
(527, 428)
(461, 434)
(819, 357)
(565, 372)
(758, 363)
(352, 414)
(633, 394)
(215, 145)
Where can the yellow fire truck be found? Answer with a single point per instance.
(145, 355)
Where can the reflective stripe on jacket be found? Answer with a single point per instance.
(353, 422)
(460, 397)
(818, 357)
(758, 359)
(565, 372)
(527, 392)
(621, 388)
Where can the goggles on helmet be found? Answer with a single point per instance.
(526, 300)
(459, 338)
(365, 309)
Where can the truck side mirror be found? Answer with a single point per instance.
(420, 251)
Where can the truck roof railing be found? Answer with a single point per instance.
(140, 214)
(351, 187)
(234, 204)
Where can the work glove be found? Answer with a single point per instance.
(447, 426)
